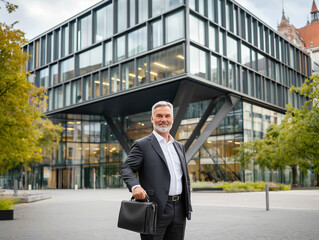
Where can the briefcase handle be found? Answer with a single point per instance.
(147, 199)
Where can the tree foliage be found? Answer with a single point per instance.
(24, 129)
(294, 142)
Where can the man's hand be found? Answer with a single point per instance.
(139, 193)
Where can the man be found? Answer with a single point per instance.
(163, 175)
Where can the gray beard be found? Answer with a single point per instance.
(162, 130)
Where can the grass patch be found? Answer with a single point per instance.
(242, 187)
(8, 203)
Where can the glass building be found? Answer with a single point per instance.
(226, 72)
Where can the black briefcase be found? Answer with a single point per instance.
(138, 216)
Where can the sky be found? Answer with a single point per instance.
(37, 16)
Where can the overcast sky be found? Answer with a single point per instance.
(38, 16)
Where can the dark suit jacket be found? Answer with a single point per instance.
(147, 158)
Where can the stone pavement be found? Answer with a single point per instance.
(92, 214)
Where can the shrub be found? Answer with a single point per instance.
(8, 203)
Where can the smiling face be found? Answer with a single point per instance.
(162, 119)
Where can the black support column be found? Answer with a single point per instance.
(230, 102)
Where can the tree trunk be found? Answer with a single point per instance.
(294, 176)
(25, 178)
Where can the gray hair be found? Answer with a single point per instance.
(162, 104)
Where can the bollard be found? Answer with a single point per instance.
(75, 187)
(30, 187)
(267, 196)
(15, 187)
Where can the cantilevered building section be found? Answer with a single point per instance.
(226, 72)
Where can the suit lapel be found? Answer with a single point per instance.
(157, 147)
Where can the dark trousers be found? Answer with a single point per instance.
(171, 225)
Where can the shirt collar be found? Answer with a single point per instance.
(161, 139)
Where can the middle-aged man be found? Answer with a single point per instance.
(161, 165)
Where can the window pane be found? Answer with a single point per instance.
(105, 82)
(67, 69)
(87, 88)
(211, 10)
(142, 10)
(137, 41)
(158, 66)
(67, 94)
(90, 60)
(197, 30)
(96, 84)
(198, 65)
(72, 37)
(132, 8)
(245, 55)
(108, 53)
(85, 32)
(44, 78)
(58, 97)
(141, 70)
(115, 80)
(100, 24)
(56, 44)
(120, 48)
(174, 25)
(212, 38)
(221, 42)
(231, 75)
(76, 91)
(215, 69)
(175, 61)
(121, 15)
(54, 74)
(128, 75)
(43, 52)
(232, 48)
(65, 41)
(156, 34)
(261, 61)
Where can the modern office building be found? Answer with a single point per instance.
(226, 72)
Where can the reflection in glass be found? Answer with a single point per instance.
(174, 27)
(137, 41)
(212, 38)
(120, 48)
(108, 53)
(142, 10)
(67, 94)
(175, 61)
(121, 15)
(105, 82)
(128, 75)
(44, 77)
(72, 37)
(115, 80)
(132, 9)
(197, 30)
(198, 62)
(90, 60)
(65, 41)
(232, 48)
(156, 34)
(103, 19)
(215, 69)
(76, 91)
(58, 97)
(160, 6)
(67, 69)
(141, 70)
(245, 55)
(87, 88)
(96, 84)
(84, 32)
(158, 66)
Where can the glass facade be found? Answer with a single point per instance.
(121, 45)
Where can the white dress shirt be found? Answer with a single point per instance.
(173, 163)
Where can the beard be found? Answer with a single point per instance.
(162, 129)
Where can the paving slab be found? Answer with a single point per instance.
(92, 214)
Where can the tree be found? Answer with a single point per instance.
(24, 129)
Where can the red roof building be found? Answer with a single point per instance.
(307, 37)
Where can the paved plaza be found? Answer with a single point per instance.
(92, 214)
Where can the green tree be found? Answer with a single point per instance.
(24, 129)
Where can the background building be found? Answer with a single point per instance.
(226, 72)
(307, 37)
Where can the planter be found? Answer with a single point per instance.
(207, 189)
(6, 214)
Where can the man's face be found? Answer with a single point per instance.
(162, 119)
